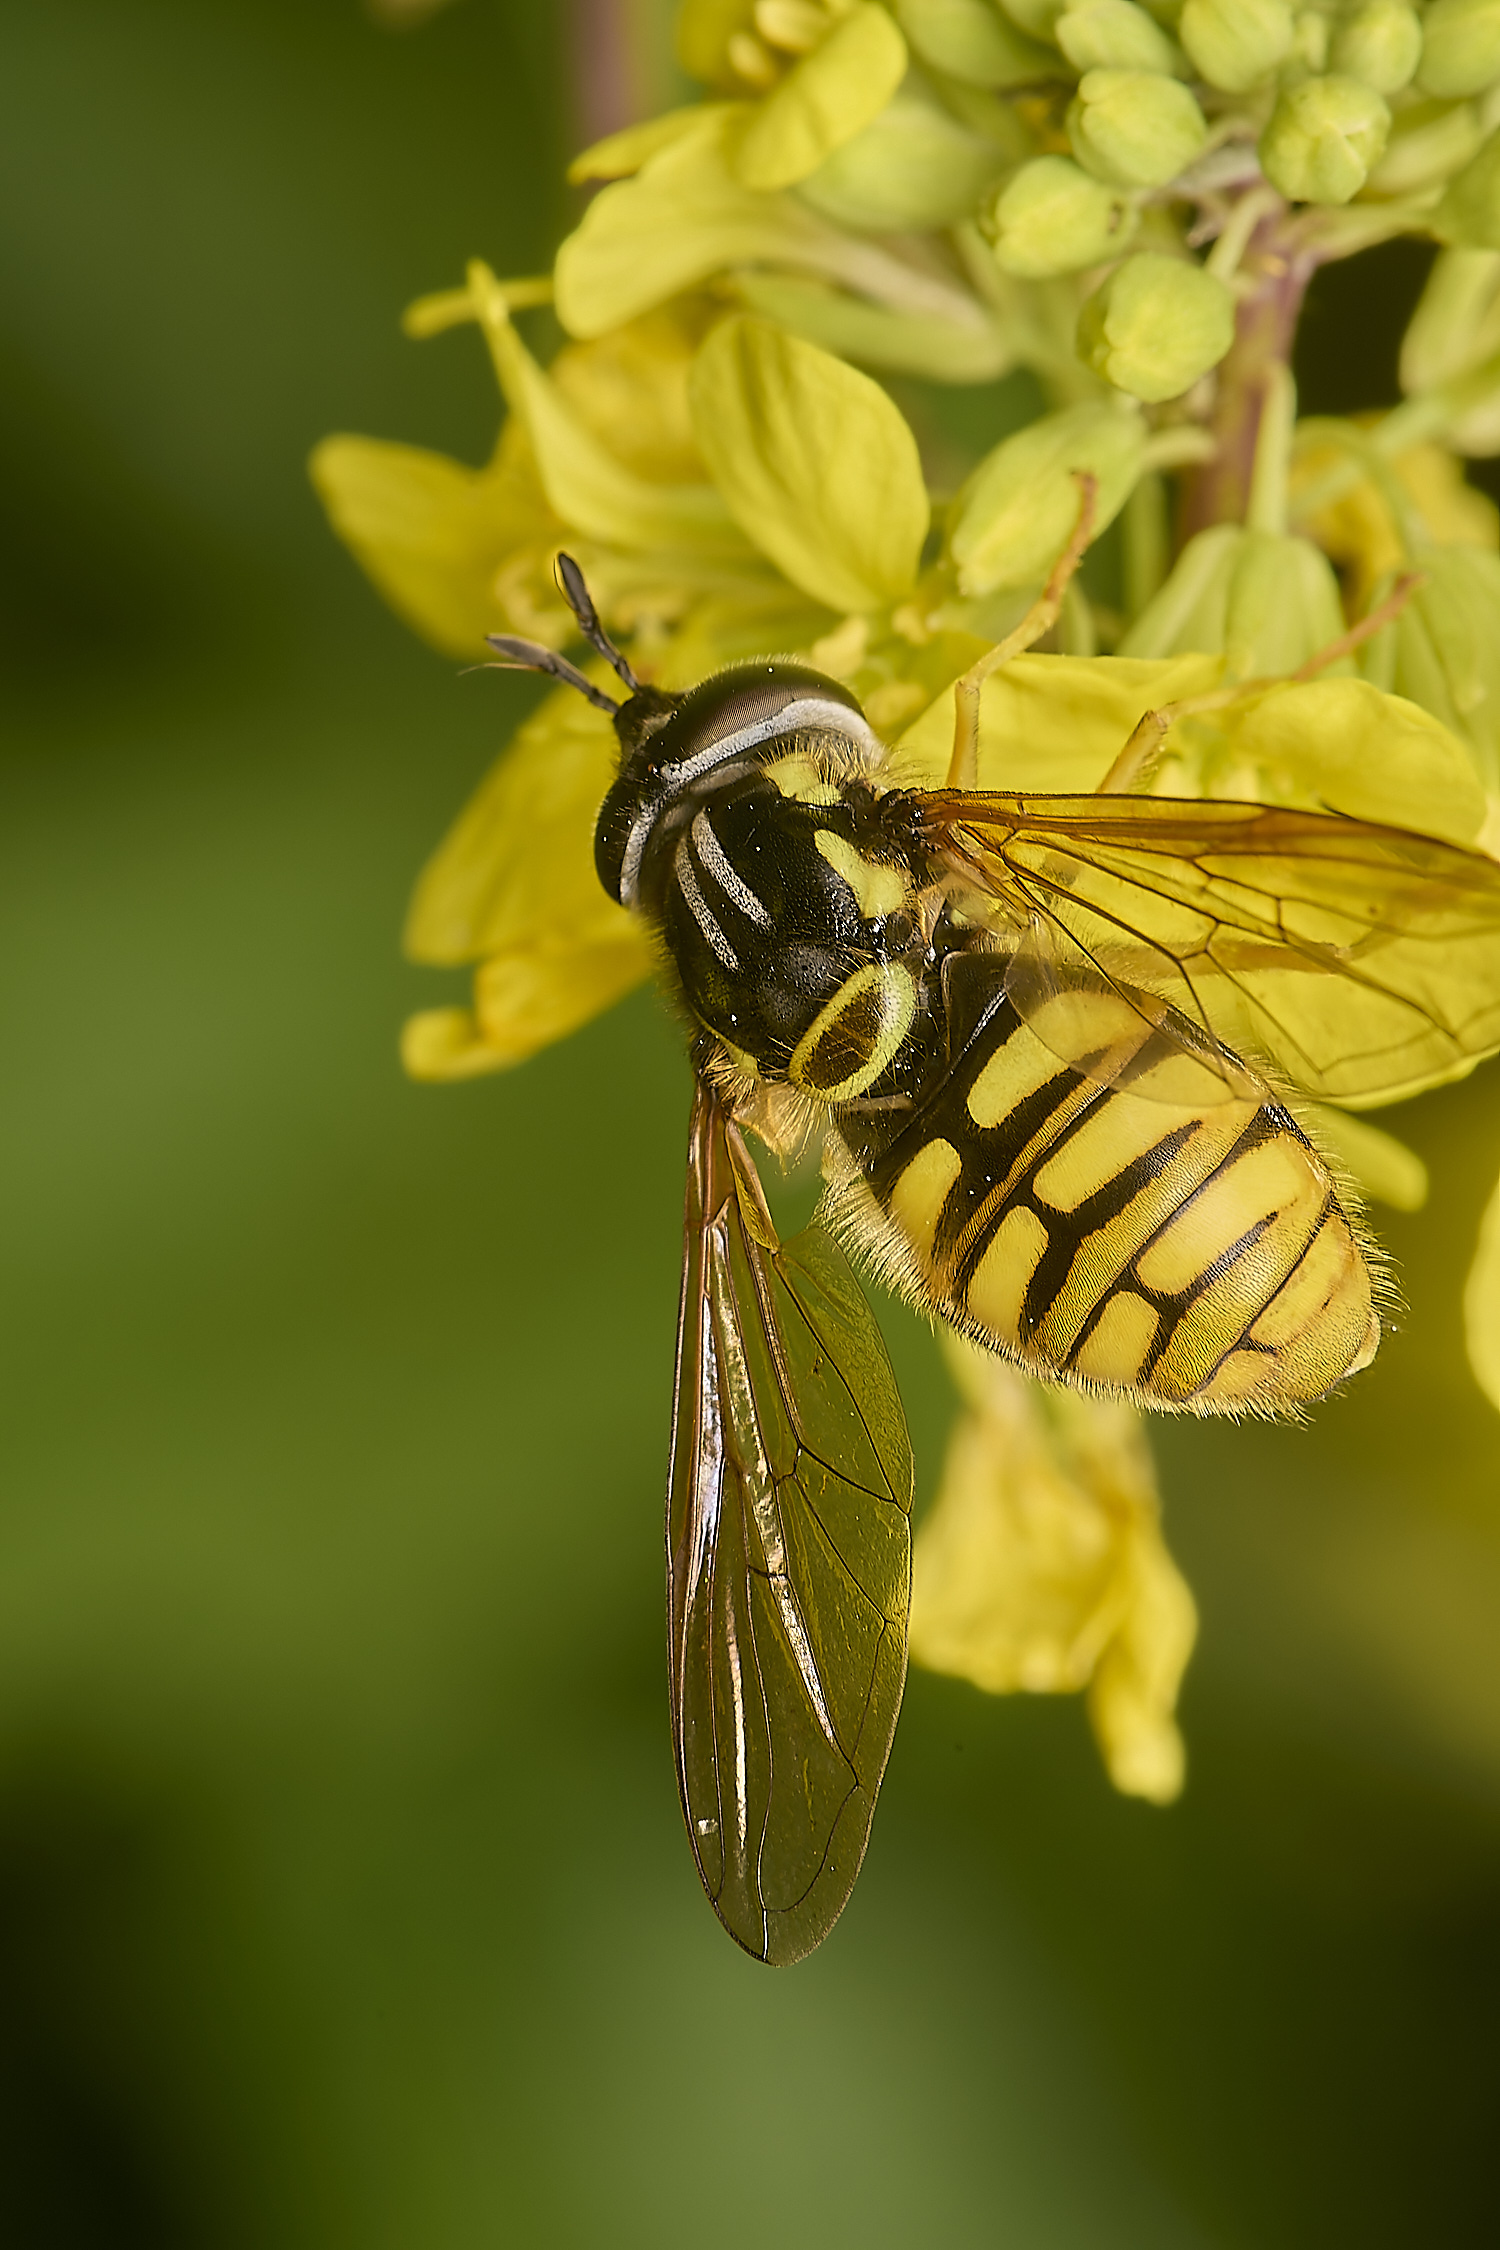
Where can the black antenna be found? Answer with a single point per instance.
(581, 602)
(530, 656)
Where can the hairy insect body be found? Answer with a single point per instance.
(1194, 1258)
(1085, 1195)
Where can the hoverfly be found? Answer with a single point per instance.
(998, 1013)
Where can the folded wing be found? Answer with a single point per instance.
(788, 1558)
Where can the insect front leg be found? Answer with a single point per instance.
(963, 766)
(1132, 770)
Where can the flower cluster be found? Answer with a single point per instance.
(1127, 203)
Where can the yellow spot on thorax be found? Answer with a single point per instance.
(879, 888)
(803, 779)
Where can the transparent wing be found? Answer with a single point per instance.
(788, 1558)
(1364, 960)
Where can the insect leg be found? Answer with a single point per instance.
(1133, 768)
(963, 767)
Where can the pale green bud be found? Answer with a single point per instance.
(1016, 513)
(1156, 325)
(1035, 17)
(973, 42)
(1323, 138)
(1052, 218)
(1460, 48)
(1236, 43)
(1381, 44)
(1267, 600)
(1113, 35)
(914, 166)
(1135, 127)
(1455, 328)
(1470, 210)
(1429, 142)
(1309, 43)
(1443, 651)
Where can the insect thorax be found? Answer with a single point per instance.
(746, 826)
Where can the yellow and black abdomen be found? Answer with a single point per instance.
(1189, 1256)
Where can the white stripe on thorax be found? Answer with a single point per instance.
(812, 711)
(712, 858)
(682, 868)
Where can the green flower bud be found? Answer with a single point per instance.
(1470, 210)
(1267, 600)
(915, 166)
(1323, 138)
(1135, 127)
(1113, 35)
(1429, 142)
(1460, 48)
(1156, 325)
(1380, 44)
(1014, 516)
(1034, 17)
(1236, 43)
(1455, 328)
(1443, 651)
(973, 42)
(1051, 218)
(1309, 44)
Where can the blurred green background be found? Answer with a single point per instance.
(342, 1893)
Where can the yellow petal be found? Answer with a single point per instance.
(1133, 1694)
(1343, 746)
(515, 873)
(431, 533)
(513, 885)
(1015, 1568)
(1017, 511)
(681, 219)
(631, 388)
(976, 350)
(1041, 1566)
(1052, 722)
(705, 30)
(444, 1044)
(523, 1002)
(828, 97)
(1482, 1304)
(815, 462)
(618, 155)
(685, 217)
(590, 489)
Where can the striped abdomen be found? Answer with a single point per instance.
(1193, 1256)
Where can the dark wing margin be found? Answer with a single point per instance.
(788, 1558)
(1365, 960)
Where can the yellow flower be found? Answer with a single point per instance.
(1042, 1566)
